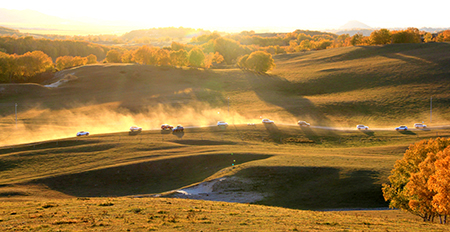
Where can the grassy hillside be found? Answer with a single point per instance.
(379, 86)
(298, 168)
(77, 183)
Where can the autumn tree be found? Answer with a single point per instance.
(145, 55)
(420, 195)
(242, 62)
(91, 59)
(260, 61)
(356, 39)
(179, 57)
(428, 37)
(445, 35)
(211, 58)
(6, 67)
(162, 57)
(410, 35)
(113, 56)
(382, 36)
(440, 183)
(397, 192)
(32, 63)
(229, 49)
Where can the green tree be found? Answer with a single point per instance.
(260, 61)
(196, 57)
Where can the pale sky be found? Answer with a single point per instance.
(236, 14)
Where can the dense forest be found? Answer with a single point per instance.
(22, 57)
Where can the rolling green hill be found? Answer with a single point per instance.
(298, 168)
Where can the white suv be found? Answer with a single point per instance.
(303, 123)
(267, 121)
(362, 127)
(222, 123)
(420, 126)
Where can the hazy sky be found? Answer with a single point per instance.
(237, 14)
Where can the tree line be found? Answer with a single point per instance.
(53, 48)
(419, 182)
(244, 50)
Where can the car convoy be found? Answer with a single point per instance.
(223, 124)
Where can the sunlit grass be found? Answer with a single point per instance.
(119, 214)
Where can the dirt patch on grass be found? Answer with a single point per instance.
(145, 178)
(228, 189)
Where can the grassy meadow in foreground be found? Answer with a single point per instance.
(159, 214)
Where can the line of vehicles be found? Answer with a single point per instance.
(399, 128)
(223, 124)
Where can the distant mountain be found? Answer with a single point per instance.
(353, 24)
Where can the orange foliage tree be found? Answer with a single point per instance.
(382, 36)
(179, 57)
(410, 35)
(113, 56)
(260, 61)
(440, 183)
(408, 189)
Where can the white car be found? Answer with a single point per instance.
(420, 126)
(179, 128)
(362, 127)
(303, 123)
(403, 128)
(135, 128)
(81, 133)
(222, 123)
(267, 121)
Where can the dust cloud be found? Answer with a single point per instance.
(43, 124)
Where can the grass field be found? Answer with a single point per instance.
(297, 168)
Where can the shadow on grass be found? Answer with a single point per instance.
(407, 132)
(145, 178)
(310, 134)
(368, 132)
(179, 134)
(316, 187)
(271, 127)
(203, 142)
(6, 165)
(166, 132)
(133, 133)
